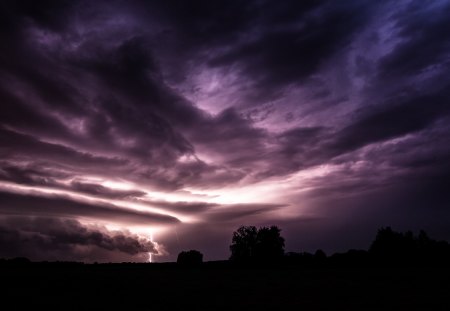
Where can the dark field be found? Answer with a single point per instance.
(212, 287)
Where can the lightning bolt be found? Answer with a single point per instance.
(150, 254)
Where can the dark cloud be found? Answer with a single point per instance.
(228, 133)
(57, 206)
(31, 175)
(99, 190)
(68, 239)
(239, 212)
(424, 44)
(50, 13)
(27, 146)
(27, 174)
(214, 212)
(18, 114)
(272, 43)
(298, 148)
(278, 57)
(322, 100)
(394, 120)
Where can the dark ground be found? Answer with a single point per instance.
(215, 287)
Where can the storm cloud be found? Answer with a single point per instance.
(68, 239)
(205, 115)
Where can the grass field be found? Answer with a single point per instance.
(163, 287)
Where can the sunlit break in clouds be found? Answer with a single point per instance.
(133, 130)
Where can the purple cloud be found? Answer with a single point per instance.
(207, 115)
(68, 239)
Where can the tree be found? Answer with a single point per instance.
(395, 246)
(243, 243)
(250, 244)
(190, 258)
(390, 247)
(320, 257)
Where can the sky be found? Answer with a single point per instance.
(133, 130)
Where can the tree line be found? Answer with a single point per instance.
(252, 246)
(265, 246)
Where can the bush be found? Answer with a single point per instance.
(190, 258)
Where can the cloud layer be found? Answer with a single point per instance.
(202, 116)
(56, 239)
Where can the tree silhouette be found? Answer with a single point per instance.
(243, 243)
(387, 243)
(320, 257)
(190, 258)
(391, 247)
(250, 244)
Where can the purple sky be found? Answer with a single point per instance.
(137, 127)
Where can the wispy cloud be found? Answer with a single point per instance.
(213, 114)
